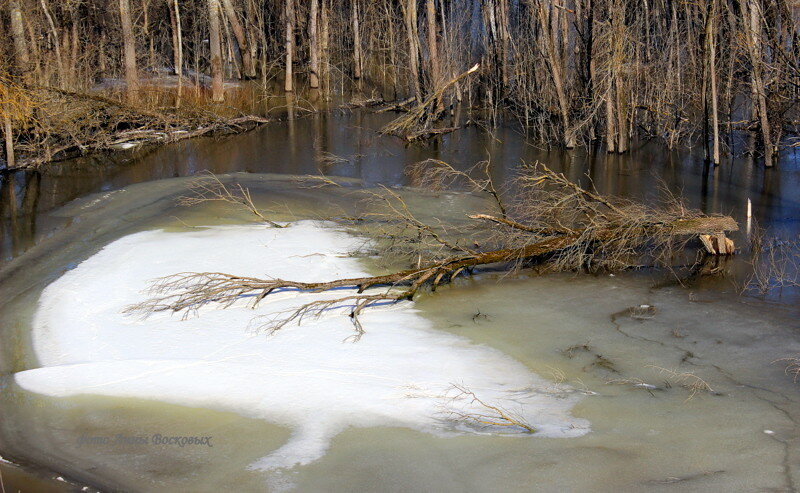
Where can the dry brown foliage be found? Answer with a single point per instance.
(60, 124)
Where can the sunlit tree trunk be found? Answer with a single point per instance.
(752, 18)
(241, 39)
(505, 39)
(217, 83)
(410, 16)
(129, 49)
(356, 41)
(289, 14)
(57, 47)
(74, 50)
(177, 48)
(433, 50)
(619, 37)
(313, 45)
(711, 48)
(21, 54)
(611, 127)
(549, 20)
(8, 136)
(324, 44)
(148, 35)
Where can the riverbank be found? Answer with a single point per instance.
(51, 124)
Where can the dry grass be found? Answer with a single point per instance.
(792, 367)
(487, 415)
(687, 380)
(53, 124)
(775, 264)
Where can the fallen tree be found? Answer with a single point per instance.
(418, 121)
(546, 220)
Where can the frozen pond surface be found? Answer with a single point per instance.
(401, 373)
(367, 416)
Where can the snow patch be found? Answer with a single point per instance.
(304, 377)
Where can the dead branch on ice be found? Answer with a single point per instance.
(209, 188)
(486, 415)
(547, 220)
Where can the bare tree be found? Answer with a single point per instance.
(241, 39)
(21, 54)
(313, 46)
(433, 50)
(129, 50)
(410, 16)
(357, 58)
(289, 20)
(711, 49)
(177, 47)
(753, 30)
(217, 83)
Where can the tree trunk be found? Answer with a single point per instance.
(611, 128)
(288, 85)
(74, 48)
(392, 51)
(753, 41)
(9, 140)
(552, 32)
(21, 54)
(148, 35)
(711, 48)
(410, 16)
(56, 45)
(177, 40)
(433, 51)
(622, 118)
(217, 83)
(129, 49)
(241, 40)
(313, 45)
(356, 41)
(102, 56)
(324, 44)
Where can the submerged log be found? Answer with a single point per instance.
(429, 133)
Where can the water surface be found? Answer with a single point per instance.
(649, 431)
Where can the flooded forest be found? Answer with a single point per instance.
(399, 245)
